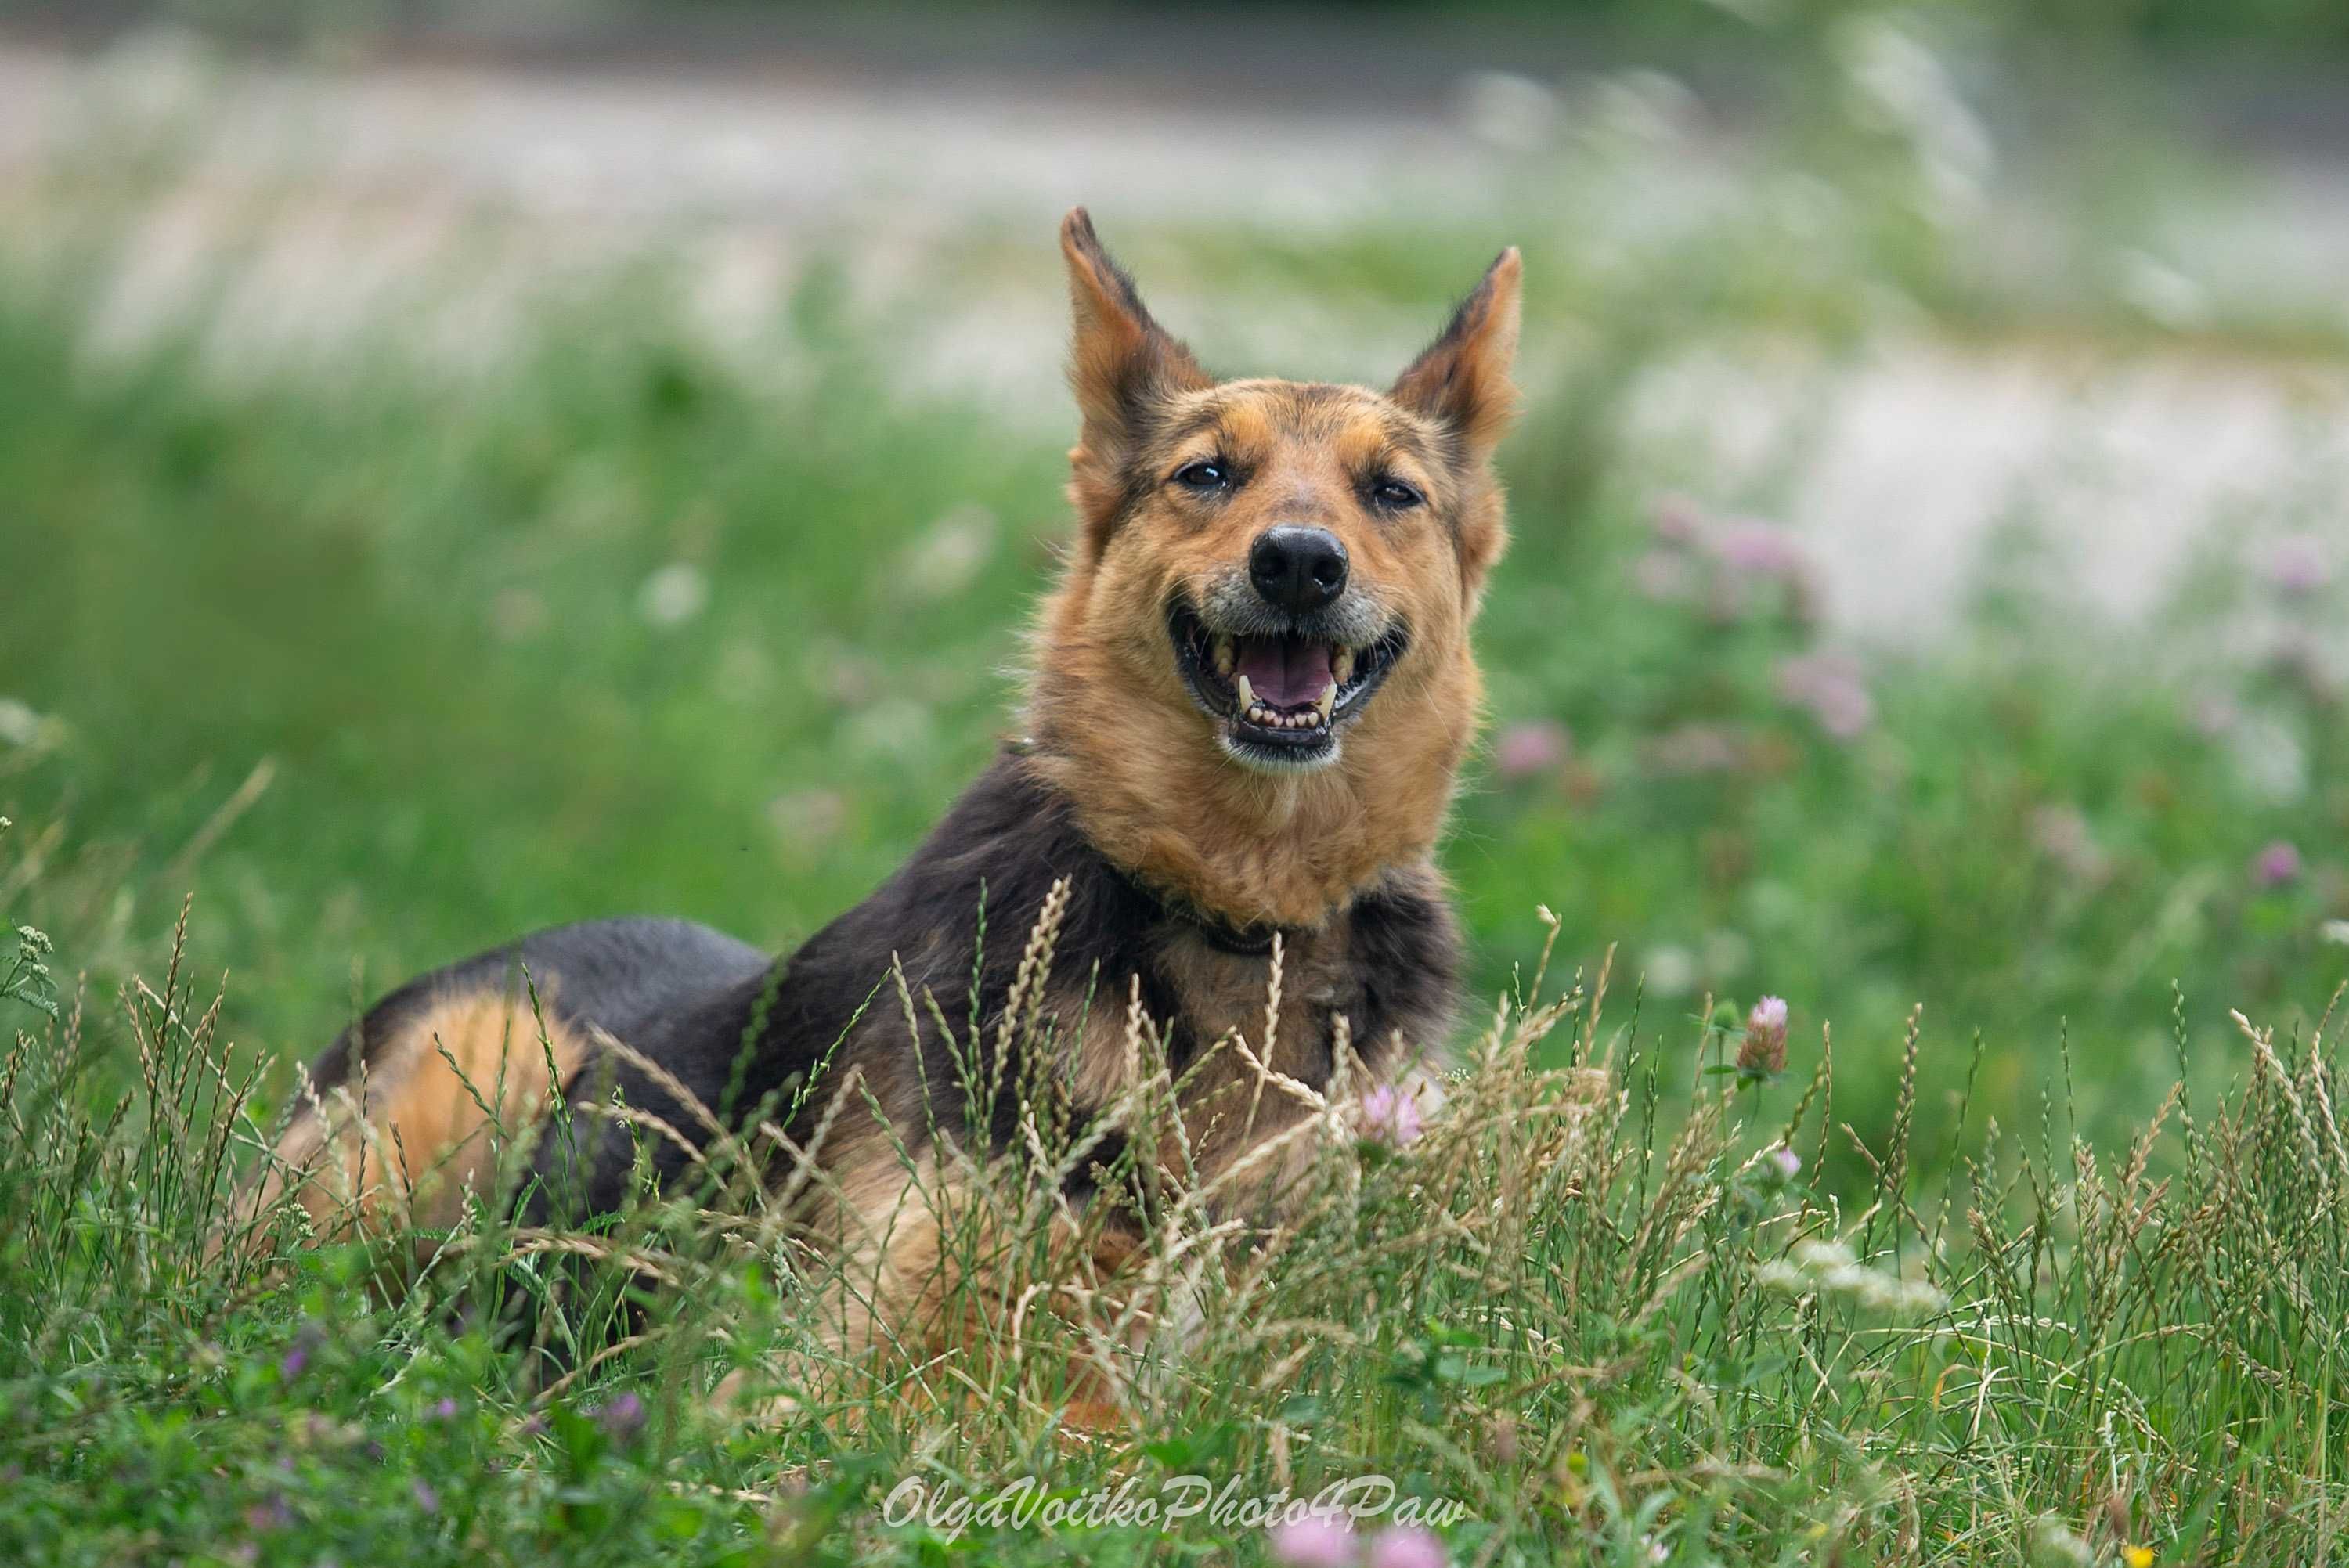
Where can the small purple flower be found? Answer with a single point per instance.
(1763, 1048)
(427, 1500)
(624, 1416)
(1789, 1164)
(306, 1339)
(2276, 864)
(266, 1516)
(1832, 688)
(446, 1410)
(1314, 1542)
(1534, 746)
(2296, 565)
(1389, 1116)
(1407, 1546)
(1676, 520)
(1761, 551)
(1699, 747)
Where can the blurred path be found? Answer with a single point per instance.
(452, 192)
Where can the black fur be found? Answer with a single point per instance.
(1406, 952)
(754, 1037)
(632, 975)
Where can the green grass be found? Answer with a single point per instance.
(371, 676)
(366, 667)
(1552, 1323)
(374, 662)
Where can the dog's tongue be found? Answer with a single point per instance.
(1284, 671)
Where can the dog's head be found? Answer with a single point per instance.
(1266, 614)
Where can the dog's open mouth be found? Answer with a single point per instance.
(1281, 697)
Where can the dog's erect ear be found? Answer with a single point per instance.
(1463, 382)
(1120, 364)
(1463, 379)
(1121, 358)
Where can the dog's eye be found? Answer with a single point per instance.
(1209, 474)
(1391, 493)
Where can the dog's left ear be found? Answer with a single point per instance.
(1463, 379)
(1121, 363)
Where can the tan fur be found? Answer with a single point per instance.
(1128, 745)
(1118, 354)
(1229, 1107)
(1119, 732)
(406, 1139)
(923, 1268)
(918, 1248)
(1465, 377)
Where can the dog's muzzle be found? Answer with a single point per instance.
(1281, 686)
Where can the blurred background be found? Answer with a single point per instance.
(468, 467)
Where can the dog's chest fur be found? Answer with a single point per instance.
(1386, 965)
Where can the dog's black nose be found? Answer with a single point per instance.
(1298, 568)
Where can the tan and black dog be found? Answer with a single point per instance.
(1250, 694)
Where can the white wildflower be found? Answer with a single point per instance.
(1829, 1268)
(674, 595)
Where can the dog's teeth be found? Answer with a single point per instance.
(1329, 701)
(1342, 667)
(1247, 694)
(1223, 659)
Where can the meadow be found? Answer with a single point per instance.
(2030, 1247)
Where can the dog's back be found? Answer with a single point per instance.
(393, 1122)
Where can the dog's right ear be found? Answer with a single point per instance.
(1120, 364)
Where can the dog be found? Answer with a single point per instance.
(1248, 697)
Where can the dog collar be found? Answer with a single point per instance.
(1242, 941)
(1253, 941)
(1245, 941)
